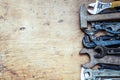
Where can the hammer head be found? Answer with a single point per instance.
(83, 16)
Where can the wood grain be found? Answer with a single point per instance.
(40, 40)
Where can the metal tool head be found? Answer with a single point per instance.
(82, 74)
(90, 53)
(83, 16)
(112, 60)
(86, 74)
(98, 7)
(99, 74)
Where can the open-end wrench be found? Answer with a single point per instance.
(113, 60)
(90, 41)
(110, 27)
(102, 74)
(100, 6)
(106, 66)
(103, 51)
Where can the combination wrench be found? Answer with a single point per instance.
(91, 41)
(112, 60)
(102, 74)
(103, 51)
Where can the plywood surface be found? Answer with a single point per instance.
(40, 40)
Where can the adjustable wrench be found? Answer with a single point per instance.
(103, 51)
(113, 60)
(102, 74)
(100, 6)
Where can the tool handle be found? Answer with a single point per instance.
(103, 17)
(115, 4)
(113, 51)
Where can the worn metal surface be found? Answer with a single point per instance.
(85, 18)
(103, 51)
(110, 27)
(98, 7)
(114, 60)
(102, 74)
(91, 41)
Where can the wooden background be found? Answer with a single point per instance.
(40, 40)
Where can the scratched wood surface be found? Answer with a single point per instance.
(40, 40)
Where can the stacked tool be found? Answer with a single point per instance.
(103, 50)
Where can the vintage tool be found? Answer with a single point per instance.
(106, 66)
(100, 6)
(111, 10)
(103, 51)
(90, 41)
(110, 27)
(84, 17)
(102, 74)
(113, 60)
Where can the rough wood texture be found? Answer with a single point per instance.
(40, 40)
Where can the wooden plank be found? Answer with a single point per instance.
(40, 40)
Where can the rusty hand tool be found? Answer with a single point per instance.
(110, 27)
(111, 10)
(100, 6)
(91, 41)
(107, 26)
(84, 17)
(106, 66)
(103, 51)
(102, 74)
(113, 60)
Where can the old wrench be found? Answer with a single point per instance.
(103, 51)
(100, 6)
(110, 27)
(85, 17)
(113, 60)
(102, 74)
(91, 41)
(106, 66)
